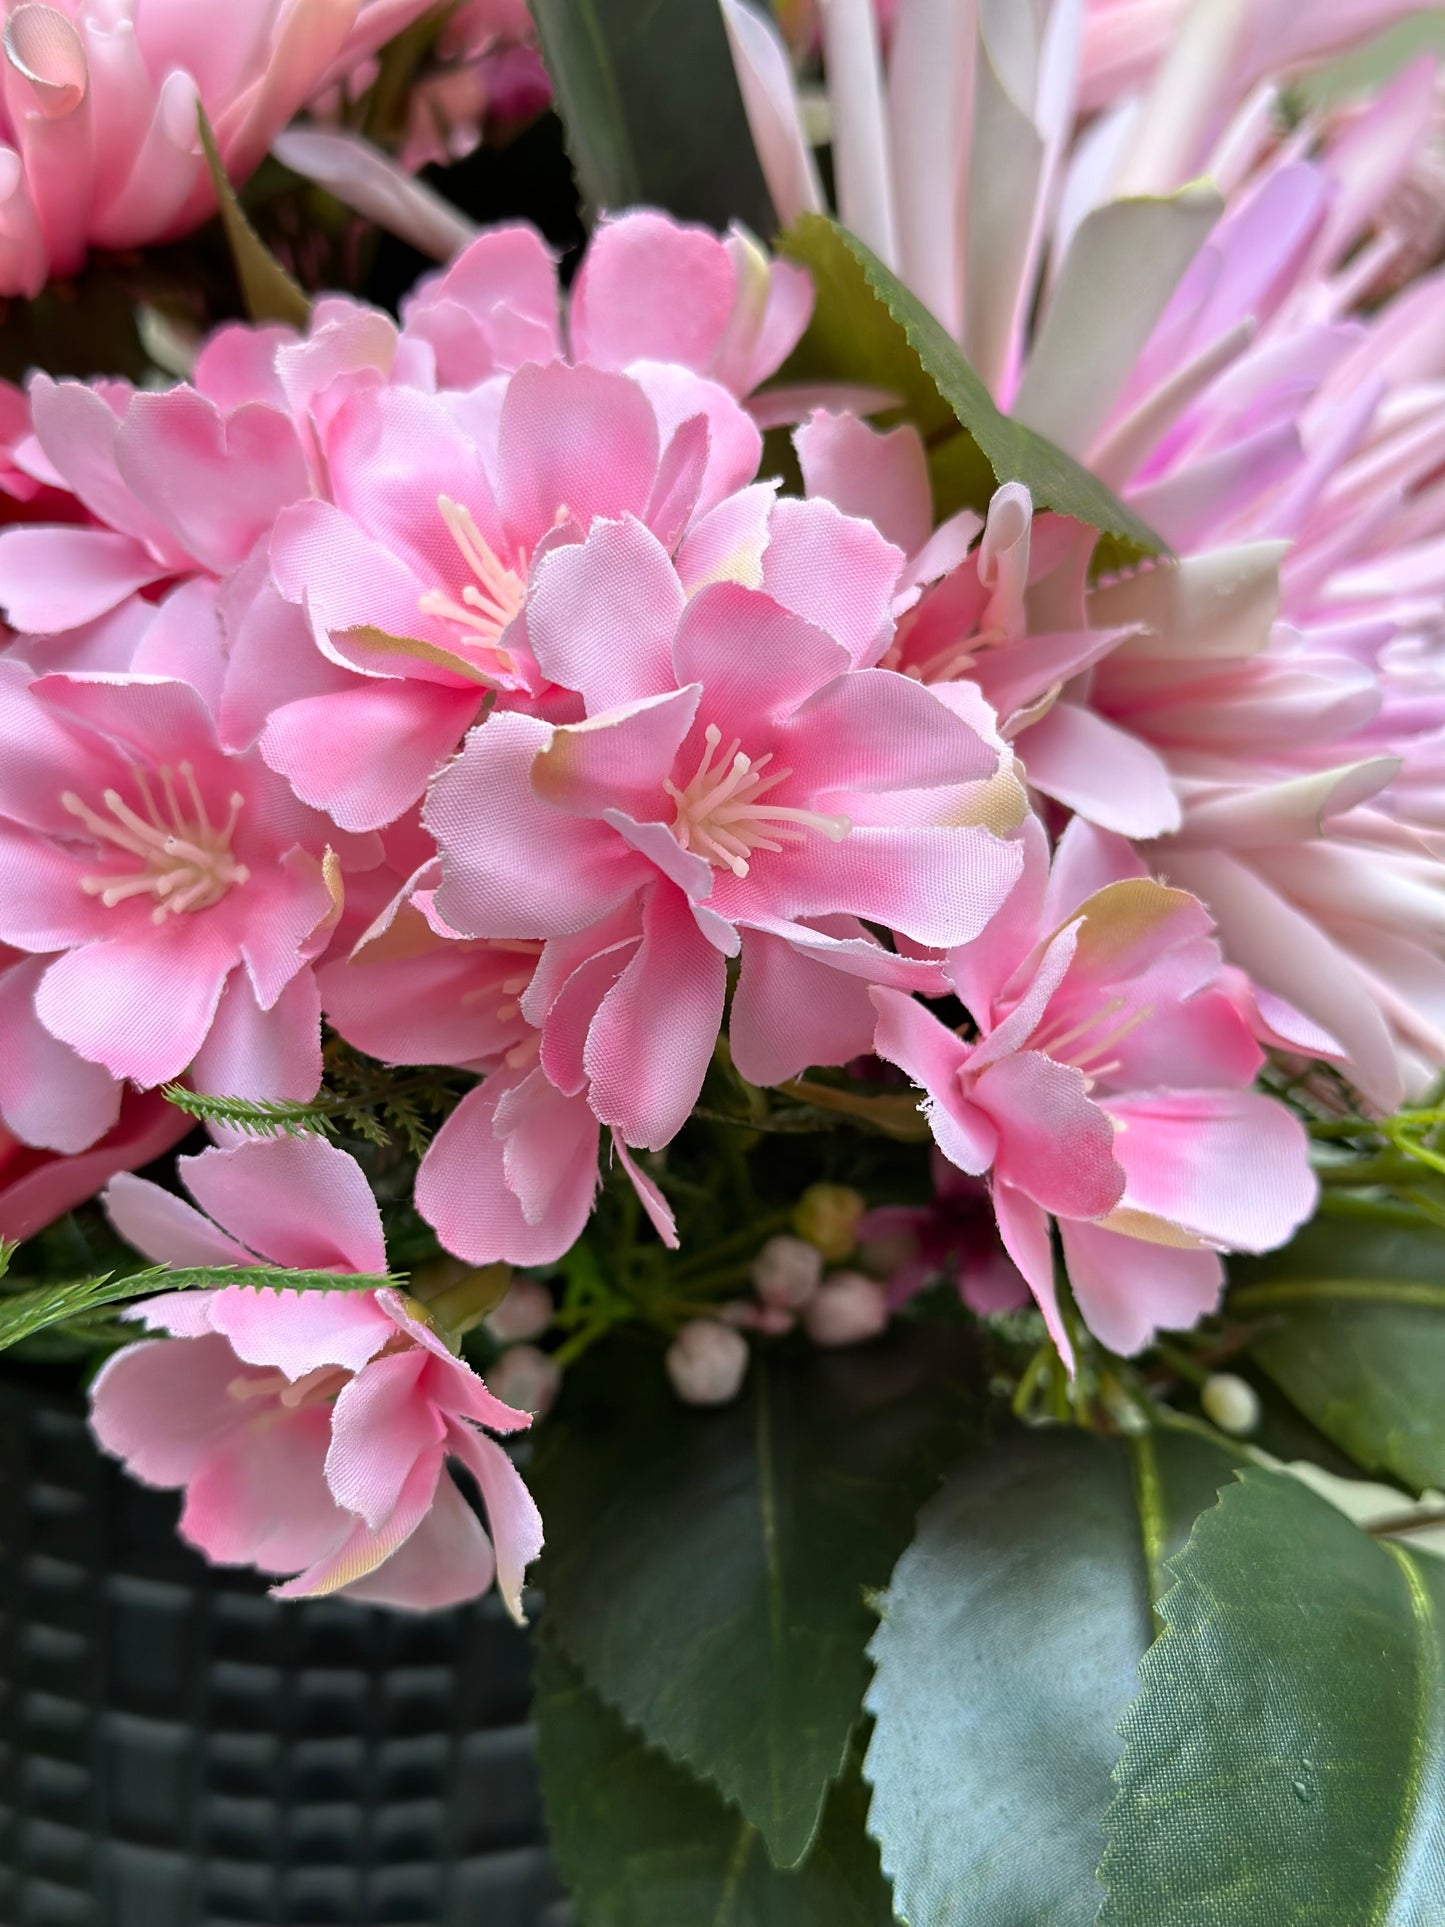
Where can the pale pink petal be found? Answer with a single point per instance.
(575, 443)
(381, 1423)
(162, 1406)
(261, 1499)
(649, 1194)
(512, 1516)
(298, 1201)
(48, 1096)
(876, 730)
(1024, 1228)
(165, 1229)
(652, 1038)
(59, 578)
(142, 1008)
(881, 477)
(911, 1037)
(618, 760)
(790, 1011)
(937, 886)
(362, 1550)
(753, 659)
(1054, 1144)
(836, 572)
(254, 1053)
(365, 754)
(602, 615)
(1094, 767)
(1228, 1166)
(652, 290)
(445, 1562)
(297, 1332)
(1127, 1289)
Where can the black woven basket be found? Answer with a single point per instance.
(178, 1750)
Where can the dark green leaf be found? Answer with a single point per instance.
(868, 328)
(23, 1313)
(641, 1844)
(1351, 1323)
(1008, 1647)
(1285, 1759)
(267, 289)
(651, 105)
(707, 1569)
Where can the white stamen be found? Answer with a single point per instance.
(721, 815)
(491, 600)
(1086, 1060)
(188, 861)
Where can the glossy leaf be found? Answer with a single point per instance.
(641, 1844)
(1007, 1650)
(708, 1569)
(1351, 1326)
(868, 328)
(267, 289)
(24, 1313)
(1285, 1758)
(649, 98)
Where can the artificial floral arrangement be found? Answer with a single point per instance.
(766, 902)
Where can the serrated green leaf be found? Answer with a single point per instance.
(641, 1844)
(868, 328)
(1351, 1327)
(1285, 1758)
(24, 1313)
(1007, 1649)
(707, 1569)
(649, 98)
(267, 289)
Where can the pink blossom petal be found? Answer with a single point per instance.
(512, 1515)
(298, 1201)
(361, 1551)
(445, 1562)
(652, 290)
(1024, 1228)
(165, 1229)
(365, 754)
(140, 1007)
(652, 1038)
(649, 1194)
(836, 572)
(603, 613)
(911, 1037)
(1228, 1166)
(876, 730)
(48, 1096)
(576, 443)
(754, 660)
(461, 1190)
(512, 866)
(881, 477)
(254, 1053)
(297, 1332)
(1054, 1144)
(261, 1498)
(380, 1425)
(1099, 770)
(1127, 1289)
(59, 578)
(618, 760)
(937, 886)
(162, 1406)
(734, 444)
(790, 1011)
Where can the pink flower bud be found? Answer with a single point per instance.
(748, 1316)
(847, 1310)
(527, 1379)
(525, 1312)
(706, 1362)
(786, 1272)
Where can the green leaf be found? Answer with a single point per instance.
(1010, 1636)
(1351, 1320)
(1366, 69)
(707, 1569)
(267, 289)
(868, 328)
(641, 1844)
(23, 1313)
(1285, 1758)
(651, 105)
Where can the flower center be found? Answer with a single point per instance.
(491, 600)
(187, 860)
(1082, 1046)
(721, 814)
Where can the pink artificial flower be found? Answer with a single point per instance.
(1108, 1088)
(38, 1186)
(489, 69)
(310, 1430)
(415, 574)
(512, 1174)
(178, 891)
(98, 113)
(743, 781)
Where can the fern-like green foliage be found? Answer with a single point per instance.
(360, 1099)
(259, 1117)
(24, 1313)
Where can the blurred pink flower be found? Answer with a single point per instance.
(310, 1431)
(99, 140)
